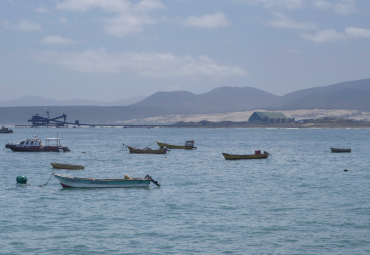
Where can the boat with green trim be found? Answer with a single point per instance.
(189, 145)
(67, 166)
(146, 150)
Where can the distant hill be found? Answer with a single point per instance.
(347, 99)
(358, 84)
(40, 101)
(224, 99)
(354, 95)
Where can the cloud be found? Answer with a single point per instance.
(331, 35)
(283, 21)
(23, 25)
(328, 35)
(130, 18)
(85, 5)
(55, 39)
(285, 4)
(356, 32)
(63, 20)
(218, 19)
(127, 24)
(42, 9)
(157, 65)
(345, 7)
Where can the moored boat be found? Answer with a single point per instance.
(146, 150)
(67, 166)
(257, 155)
(339, 150)
(35, 145)
(5, 130)
(189, 145)
(127, 182)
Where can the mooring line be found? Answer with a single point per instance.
(47, 181)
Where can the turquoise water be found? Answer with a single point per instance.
(298, 201)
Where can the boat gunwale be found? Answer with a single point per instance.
(93, 179)
(244, 156)
(175, 146)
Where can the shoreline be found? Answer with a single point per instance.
(364, 125)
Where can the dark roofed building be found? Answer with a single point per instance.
(267, 116)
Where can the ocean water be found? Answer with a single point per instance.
(298, 201)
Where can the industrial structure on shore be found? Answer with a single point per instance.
(270, 117)
(58, 122)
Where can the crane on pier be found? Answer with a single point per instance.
(39, 121)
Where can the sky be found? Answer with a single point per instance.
(116, 49)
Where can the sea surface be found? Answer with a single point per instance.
(297, 201)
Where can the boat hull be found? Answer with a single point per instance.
(237, 157)
(171, 146)
(67, 166)
(6, 131)
(75, 182)
(340, 150)
(18, 148)
(146, 151)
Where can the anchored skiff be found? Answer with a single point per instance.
(67, 166)
(340, 150)
(127, 182)
(146, 150)
(189, 145)
(251, 156)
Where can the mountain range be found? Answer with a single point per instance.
(351, 95)
(40, 101)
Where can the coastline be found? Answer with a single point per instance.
(295, 125)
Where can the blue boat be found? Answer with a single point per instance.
(76, 182)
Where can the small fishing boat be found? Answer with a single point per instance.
(146, 150)
(339, 150)
(5, 130)
(257, 155)
(35, 145)
(126, 182)
(189, 145)
(67, 166)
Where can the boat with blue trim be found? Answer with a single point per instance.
(126, 182)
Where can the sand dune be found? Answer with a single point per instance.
(244, 116)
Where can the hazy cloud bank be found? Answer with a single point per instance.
(159, 65)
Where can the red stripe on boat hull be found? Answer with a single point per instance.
(66, 186)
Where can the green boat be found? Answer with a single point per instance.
(189, 145)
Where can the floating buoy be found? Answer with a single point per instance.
(21, 179)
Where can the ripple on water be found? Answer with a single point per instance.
(298, 201)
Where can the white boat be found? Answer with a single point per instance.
(5, 130)
(127, 182)
(35, 145)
